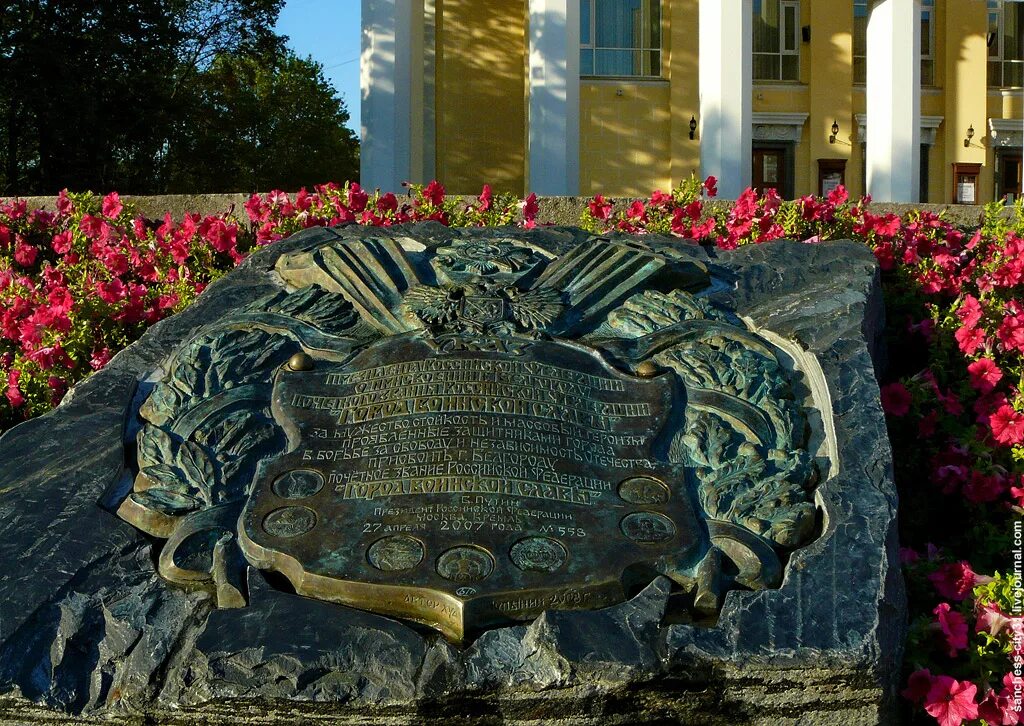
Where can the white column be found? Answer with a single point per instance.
(894, 101)
(386, 87)
(726, 73)
(554, 88)
(429, 170)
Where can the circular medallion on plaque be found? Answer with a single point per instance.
(648, 527)
(538, 554)
(289, 521)
(644, 490)
(298, 484)
(395, 553)
(465, 564)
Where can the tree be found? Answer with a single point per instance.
(262, 122)
(101, 94)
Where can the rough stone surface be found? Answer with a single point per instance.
(90, 634)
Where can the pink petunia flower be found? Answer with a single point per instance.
(1007, 425)
(969, 339)
(999, 709)
(951, 702)
(985, 374)
(896, 399)
(953, 627)
(984, 488)
(918, 685)
(970, 311)
(112, 206)
(992, 620)
(600, 208)
(954, 581)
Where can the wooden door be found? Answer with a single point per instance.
(769, 170)
(1009, 177)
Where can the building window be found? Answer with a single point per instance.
(1005, 43)
(777, 40)
(860, 41)
(620, 38)
(927, 43)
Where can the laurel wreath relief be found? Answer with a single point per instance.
(208, 424)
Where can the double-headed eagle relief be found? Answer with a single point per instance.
(468, 432)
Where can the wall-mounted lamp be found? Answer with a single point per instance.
(693, 127)
(835, 132)
(970, 135)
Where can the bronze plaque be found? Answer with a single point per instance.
(465, 488)
(472, 431)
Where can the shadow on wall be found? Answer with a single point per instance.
(626, 140)
(481, 95)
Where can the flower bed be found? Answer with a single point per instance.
(80, 283)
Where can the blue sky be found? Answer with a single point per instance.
(328, 30)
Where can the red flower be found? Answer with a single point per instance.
(179, 251)
(14, 394)
(99, 358)
(838, 196)
(111, 292)
(357, 198)
(988, 404)
(885, 256)
(1007, 425)
(112, 206)
(927, 425)
(389, 203)
(25, 254)
(998, 709)
(434, 193)
(222, 237)
(530, 210)
(954, 581)
(60, 300)
(985, 374)
(969, 339)
(984, 488)
(600, 209)
(64, 204)
(15, 397)
(62, 242)
(711, 186)
(255, 208)
(896, 399)
(918, 685)
(1011, 332)
(1018, 496)
(951, 702)
(953, 627)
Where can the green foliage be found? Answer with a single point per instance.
(261, 122)
(152, 96)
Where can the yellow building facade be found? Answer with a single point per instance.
(635, 103)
